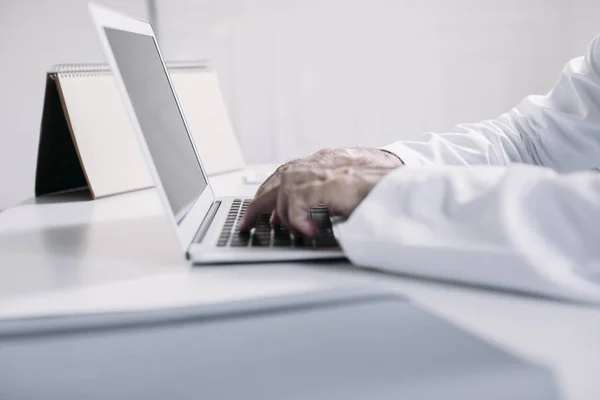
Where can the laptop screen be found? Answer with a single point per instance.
(162, 125)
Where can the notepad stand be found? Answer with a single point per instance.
(88, 141)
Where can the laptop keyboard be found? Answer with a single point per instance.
(265, 235)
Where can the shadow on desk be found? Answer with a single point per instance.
(76, 196)
(73, 196)
(70, 197)
(486, 288)
(139, 240)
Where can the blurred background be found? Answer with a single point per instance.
(299, 75)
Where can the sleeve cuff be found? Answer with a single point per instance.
(356, 228)
(409, 156)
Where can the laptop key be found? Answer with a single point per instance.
(281, 242)
(265, 235)
(261, 241)
(302, 241)
(279, 230)
(323, 242)
(281, 236)
(240, 239)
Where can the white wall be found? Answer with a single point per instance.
(303, 74)
(34, 35)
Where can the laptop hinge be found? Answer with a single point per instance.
(208, 219)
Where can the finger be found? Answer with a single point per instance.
(339, 194)
(260, 205)
(281, 206)
(298, 208)
(265, 200)
(275, 220)
(289, 180)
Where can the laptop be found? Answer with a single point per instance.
(207, 227)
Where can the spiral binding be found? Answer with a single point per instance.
(98, 69)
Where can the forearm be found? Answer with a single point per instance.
(522, 227)
(492, 142)
(560, 130)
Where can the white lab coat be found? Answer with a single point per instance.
(509, 202)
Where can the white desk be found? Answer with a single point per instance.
(69, 253)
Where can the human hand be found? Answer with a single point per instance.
(334, 158)
(331, 159)
(300, 188)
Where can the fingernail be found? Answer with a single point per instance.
(308, 228)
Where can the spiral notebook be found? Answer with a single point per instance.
(87, 139)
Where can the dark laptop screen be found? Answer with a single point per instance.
(156, 110)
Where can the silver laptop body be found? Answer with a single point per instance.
(205, 226)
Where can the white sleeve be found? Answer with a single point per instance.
(519, 227)
(560, 130)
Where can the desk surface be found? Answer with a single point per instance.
(68, 253)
